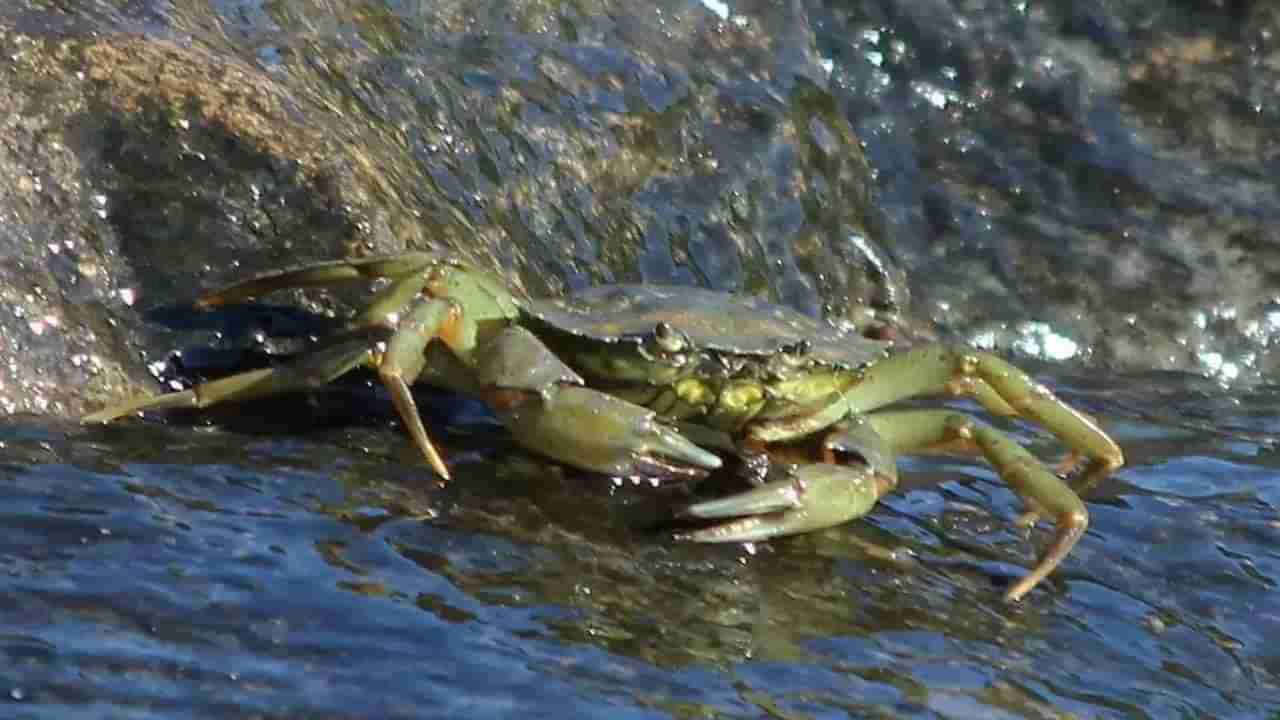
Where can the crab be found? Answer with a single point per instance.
(658, 382)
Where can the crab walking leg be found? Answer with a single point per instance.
(1000, 387)
(916, 430)
(320, 275)
(405, 357)
(814, 496)
(443, 304)
(313, 370)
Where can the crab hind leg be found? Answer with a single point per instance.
(998, 386)
(308, 371)
(1035, 485)
(1029, 399)
(320, 275)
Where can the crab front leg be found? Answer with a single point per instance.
(857, 469)
(536, 396)
(547, 409)
(852, 467)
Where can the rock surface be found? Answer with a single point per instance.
(1043, 181)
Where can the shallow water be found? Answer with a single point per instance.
(158, 569)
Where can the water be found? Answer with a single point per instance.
(155, 570)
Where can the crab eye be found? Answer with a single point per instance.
(668, 339)
(791, 357)
(799, 348)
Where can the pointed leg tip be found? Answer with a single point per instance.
(1015, 594)
(107, 415)
(437, 464)
(210, 300)
(743, 530)
(676, 448)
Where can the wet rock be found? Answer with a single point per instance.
(132, 167)
(1051, 181)
(155, 168)
(1087, 181)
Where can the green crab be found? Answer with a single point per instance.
(645, 381)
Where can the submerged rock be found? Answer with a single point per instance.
(149, 169)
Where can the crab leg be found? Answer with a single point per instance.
(455, 320)
(321, 275)
(431, 298)
(917, 430)
(310, 371)
(1000, 387)
(536, 396)
(548, 410)
(404, 359)
(856, 469)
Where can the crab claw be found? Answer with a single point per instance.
(812, 497)
(599, 432)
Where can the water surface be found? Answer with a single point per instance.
(159, 570)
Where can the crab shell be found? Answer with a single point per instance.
(714, 350)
